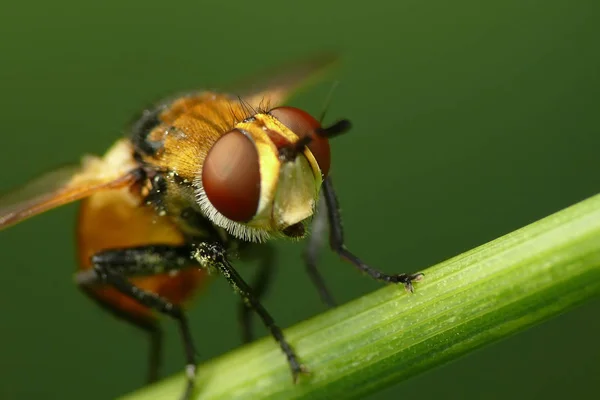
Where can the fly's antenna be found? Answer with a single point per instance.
(335, 129)
(327, 102)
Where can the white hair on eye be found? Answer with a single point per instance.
(239, 230)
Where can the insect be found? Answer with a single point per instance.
(200, 179)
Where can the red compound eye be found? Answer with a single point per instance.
(303, 124)
(231, 176)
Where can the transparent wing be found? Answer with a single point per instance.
(272, 87)
(61, 186)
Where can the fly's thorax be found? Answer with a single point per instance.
(248, 188)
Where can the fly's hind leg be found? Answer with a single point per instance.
(113, 267)
(148, 325)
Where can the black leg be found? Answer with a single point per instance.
(148, 325)
(311, 252)
(113, 266)
(213, 256)
(261, 282)
(336, 240)
(156, 341)
(145, 260)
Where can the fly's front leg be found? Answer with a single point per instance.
(212, 255)
(336, 241)
(113, 267)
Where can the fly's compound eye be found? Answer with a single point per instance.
(231, 176)
(303, 124)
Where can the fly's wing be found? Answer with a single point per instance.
(62, 186)
(273, 87)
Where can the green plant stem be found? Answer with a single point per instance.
(469, 301)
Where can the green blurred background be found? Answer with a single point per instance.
(471, 119)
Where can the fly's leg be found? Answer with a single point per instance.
(112, 267)
(156, 343)
(260, 284)
(311, 252)
(336, 241)
(148, 325)
(212, 255)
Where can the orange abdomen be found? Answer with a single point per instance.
(115, 219)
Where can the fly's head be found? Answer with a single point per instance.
(262, 178)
